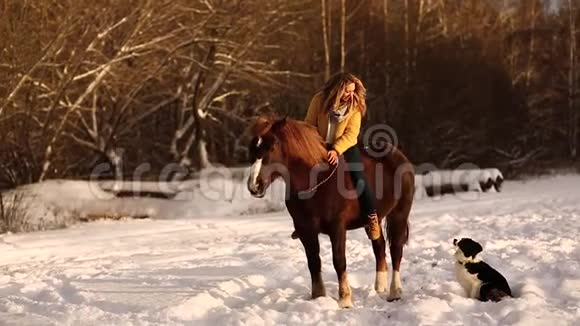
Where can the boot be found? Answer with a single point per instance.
(373, 228)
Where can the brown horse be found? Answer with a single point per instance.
(322, 199)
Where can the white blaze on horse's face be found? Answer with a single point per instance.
(253, 178)
(253, 184)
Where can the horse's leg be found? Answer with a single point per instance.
(381, 277)
(311, 245)
(398, 234)
(396, 289)
(338, 241)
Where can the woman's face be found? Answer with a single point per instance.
(347, 92)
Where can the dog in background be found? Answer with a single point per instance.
(479, 280)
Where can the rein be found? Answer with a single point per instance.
(304, 192)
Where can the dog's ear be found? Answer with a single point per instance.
(469, 247)
(477, 248)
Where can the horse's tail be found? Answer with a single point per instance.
(397, 224)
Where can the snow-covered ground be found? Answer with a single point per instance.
(238, 266)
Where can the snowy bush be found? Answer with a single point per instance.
(13, 212)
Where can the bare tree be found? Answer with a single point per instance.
(235, 56)
(326, 19)
(531, 53)
(386, 40)
(128, 48)
(421, 11)
(572, 83)
(114, 114)
(407, 13)
(443, 20)
(343, 19)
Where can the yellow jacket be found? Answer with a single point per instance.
(347, 130)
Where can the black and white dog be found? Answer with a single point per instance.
(479, 280)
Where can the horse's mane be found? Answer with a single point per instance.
(298, 139)
(301, 140)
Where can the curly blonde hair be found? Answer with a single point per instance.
(332, 90)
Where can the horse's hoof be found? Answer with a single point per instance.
(345, 303)
(381, 282)
(380, 290)
(395, 295)
(318, 294)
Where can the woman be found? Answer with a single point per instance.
(336, 111)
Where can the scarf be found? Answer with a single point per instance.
(334, 118)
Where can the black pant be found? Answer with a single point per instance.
(366, 197)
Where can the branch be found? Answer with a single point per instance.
(222, 97)
(59, 129)
(277, 72)
(106, 32)
(228, 114)
(106, 65)
(82, 142)
(85, 124)
(28, 75)
(154, 41)
(150, 111)
(209, 5)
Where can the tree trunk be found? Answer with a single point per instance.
(531, 55)
(202, 156)
(388, 115)
(386, 42)
(325, 39)
(407, 41)
(115, 157)
(443, 18)
(573, 114)
(417, 37)
(343, 35)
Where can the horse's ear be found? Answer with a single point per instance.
(279, 123)
(259, 126)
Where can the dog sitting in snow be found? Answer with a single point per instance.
(479, 280)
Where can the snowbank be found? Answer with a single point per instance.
(218, 191)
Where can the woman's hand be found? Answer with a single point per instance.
(332, 157)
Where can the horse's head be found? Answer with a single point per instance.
(266, 155)
(280, 148)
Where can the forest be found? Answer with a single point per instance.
(167, 87)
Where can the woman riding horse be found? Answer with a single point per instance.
(336, 111)
(322, 199)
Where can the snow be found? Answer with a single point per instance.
(228, 259)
